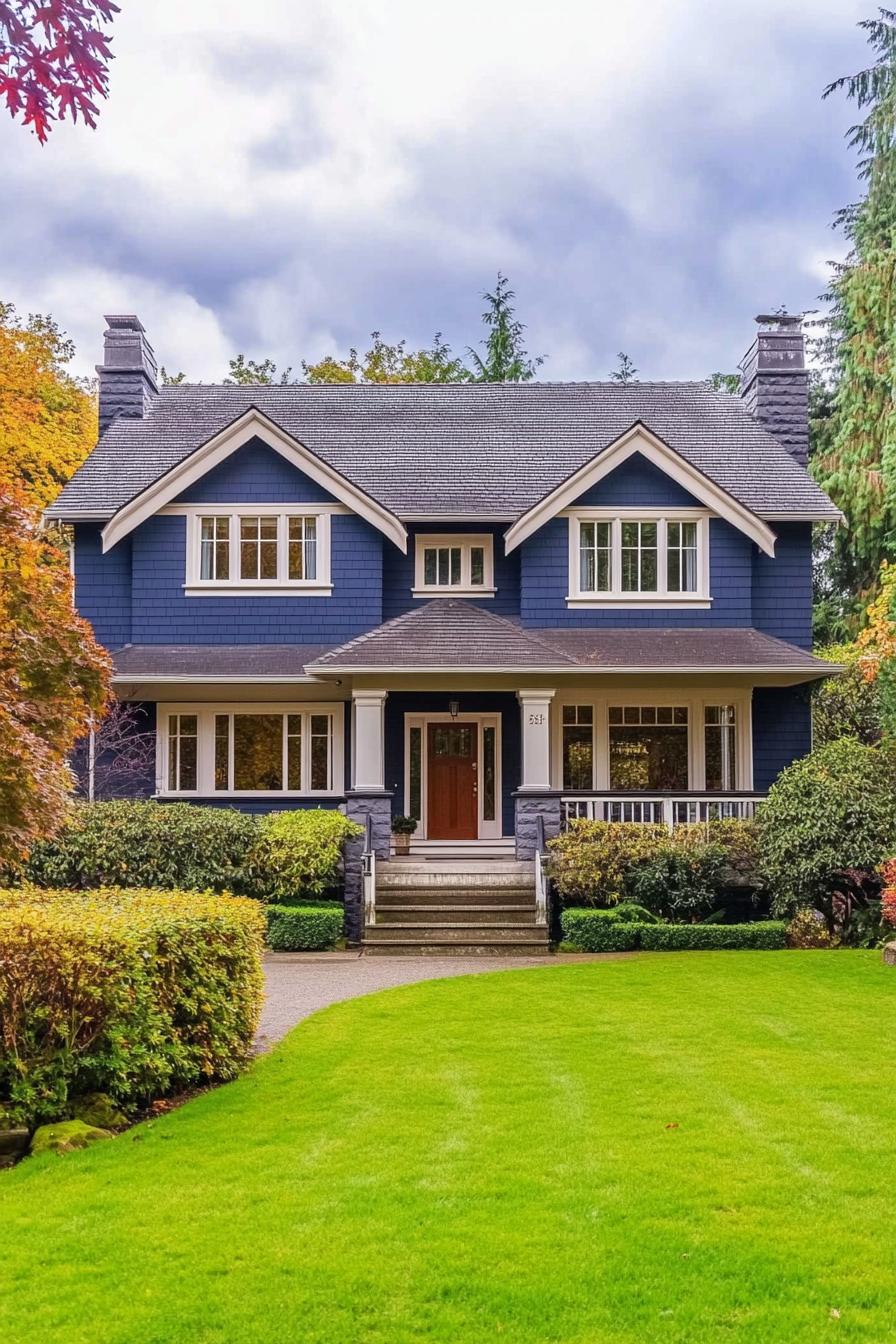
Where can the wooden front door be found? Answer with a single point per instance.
(452, 803)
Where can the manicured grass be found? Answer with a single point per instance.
(693, 1147)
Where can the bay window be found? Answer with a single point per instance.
(638, 557)
(240, 749)
(263, 549)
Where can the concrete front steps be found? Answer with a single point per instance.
(455, 907)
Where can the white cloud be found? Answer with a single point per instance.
(280, 178)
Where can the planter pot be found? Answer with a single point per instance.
(402, 844)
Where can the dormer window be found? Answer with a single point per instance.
(454, 565)
(265, 550)
(638, 557)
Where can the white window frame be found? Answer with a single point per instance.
(696, 703)
(465, 541)
(615, 596)
(205, 773)
(195, 586)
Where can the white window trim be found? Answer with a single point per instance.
(466, 541)
(615, 597)
(696, 703)
(205, 773)
(487, 830)
(195, 586)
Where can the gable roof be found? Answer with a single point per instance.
(639, 439)
(453, 635)
(441, 451)
(250, 425)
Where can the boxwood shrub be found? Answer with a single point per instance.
(299, 854)
(128, 992)
(303, 928)
(594, 931)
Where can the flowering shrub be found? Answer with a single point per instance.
(888, 897)
(808, 929)
(131, 993)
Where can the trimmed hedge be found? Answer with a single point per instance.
(300, 853)
(175, 846)
(132, 993)
(593, 931)
(303, 928)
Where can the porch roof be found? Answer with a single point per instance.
(451, 635)
(215, 662)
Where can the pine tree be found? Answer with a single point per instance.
(506, 359)
(858, 465)
(625, 371)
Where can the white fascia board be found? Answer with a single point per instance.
(639, 439)
(806, 672)
(190, 679)
(252, 424)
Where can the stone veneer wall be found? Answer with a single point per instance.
(358, 807)
(529, 806)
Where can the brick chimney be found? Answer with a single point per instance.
(128, 374)
(775, 385)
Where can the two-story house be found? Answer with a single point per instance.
(491, 607)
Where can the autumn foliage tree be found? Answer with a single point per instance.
(53, 679)
(54, 60)
(48, 420)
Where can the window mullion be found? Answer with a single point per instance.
(616, 558)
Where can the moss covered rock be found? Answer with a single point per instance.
(98, 1109)
(66, 1136)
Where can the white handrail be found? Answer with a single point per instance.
(541, 879)
(368, 874)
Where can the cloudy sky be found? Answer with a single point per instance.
(283, 176)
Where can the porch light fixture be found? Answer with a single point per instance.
(454, 708)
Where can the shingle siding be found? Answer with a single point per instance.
(163, 614)
(103, 585)
(255, 474)
(782, 587)
(545, 585)
(782, 730)
(398, 571)
(636, 481)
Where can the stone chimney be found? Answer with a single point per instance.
(128, 374)
(775, 385)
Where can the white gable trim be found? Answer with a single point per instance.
(252, 424)
(639, 439)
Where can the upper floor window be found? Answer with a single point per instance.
(455, 565)
(262, 549)
(639, 557)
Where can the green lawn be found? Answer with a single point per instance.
(699, 1147)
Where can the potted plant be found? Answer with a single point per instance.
(402, 829)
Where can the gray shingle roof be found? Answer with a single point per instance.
(493, 448)
(454, 634)
(214, 660)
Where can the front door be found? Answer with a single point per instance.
(453, 806)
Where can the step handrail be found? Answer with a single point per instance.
(368, 873)
(542, 881)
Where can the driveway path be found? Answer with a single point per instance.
(300, 983)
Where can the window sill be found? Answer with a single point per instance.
(481, 591)
(257, 590)
(260, 796)
(650, 601)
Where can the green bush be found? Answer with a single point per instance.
(592, 931)
(131, 993)
(679, 872)
(299, 854)
(175, 846)
(303, 928)
(828, 823)
(848, 705)
(808, 929)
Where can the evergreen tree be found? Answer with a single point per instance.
(625, 371)
(506, 359)
(855, 458)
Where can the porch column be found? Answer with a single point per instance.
(535, 707)
(368, 739)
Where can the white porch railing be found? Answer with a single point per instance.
(542, 888)
(660, 809)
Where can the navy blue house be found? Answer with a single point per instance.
(475, 604)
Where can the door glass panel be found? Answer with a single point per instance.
(257, 751)
(416, 773)
(488, 773)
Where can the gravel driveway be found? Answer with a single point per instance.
(298, 984)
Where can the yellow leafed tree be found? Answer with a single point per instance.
(48, 421)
